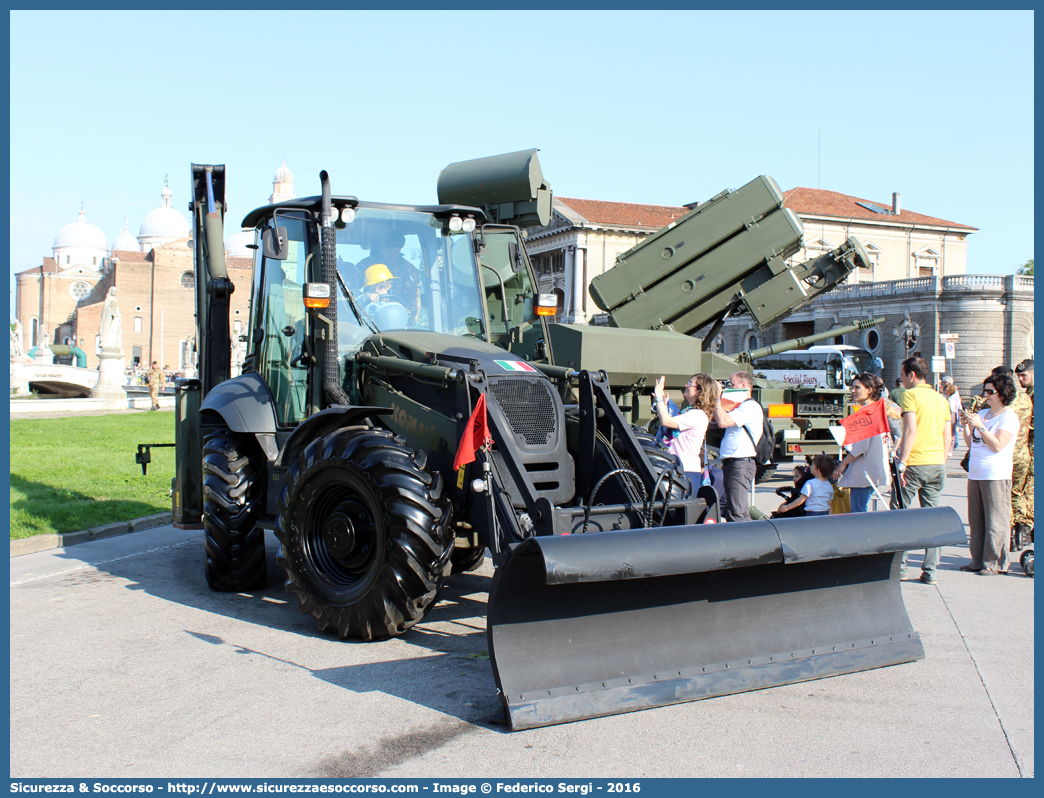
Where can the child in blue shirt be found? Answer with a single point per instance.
(818, 491)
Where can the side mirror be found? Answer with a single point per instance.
(274, 244)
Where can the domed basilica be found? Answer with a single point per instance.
(59, 301)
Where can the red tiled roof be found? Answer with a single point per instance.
(239, 263)
(625, 214)
(819, 202)
(48, 266)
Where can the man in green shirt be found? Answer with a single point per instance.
(927, 437)
(897, 393)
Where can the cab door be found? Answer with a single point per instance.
(510, 293)
(280, 321)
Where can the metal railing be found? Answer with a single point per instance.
(974, 281)
(920, 285)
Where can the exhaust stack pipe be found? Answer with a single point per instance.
(328, 239)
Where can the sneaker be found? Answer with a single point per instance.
(929, 577)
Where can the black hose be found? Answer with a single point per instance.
(647, 518)
(598, 485)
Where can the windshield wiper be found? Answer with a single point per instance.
(360, 314)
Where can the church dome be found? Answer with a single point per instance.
(236, 244)
(163, 224)
(125, 242)
(282, 185)
(81, 234)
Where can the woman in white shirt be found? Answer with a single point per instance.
(990, 436)
(701, 394)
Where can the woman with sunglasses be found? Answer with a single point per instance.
(701, 395)
(990, 436)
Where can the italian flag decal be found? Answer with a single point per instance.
(514, 365)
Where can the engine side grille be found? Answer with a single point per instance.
(529, 407)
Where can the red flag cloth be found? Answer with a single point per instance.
(476, 435)
(870, 420)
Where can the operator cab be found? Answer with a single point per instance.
(437, 269)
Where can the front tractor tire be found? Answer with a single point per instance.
(467, 559)
(233, 501)
(364, 533)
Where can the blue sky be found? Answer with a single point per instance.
(652, 107)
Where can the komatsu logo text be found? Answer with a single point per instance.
(423, 433)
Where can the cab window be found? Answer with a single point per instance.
(510, 296)
(405, 271)
(281, 319)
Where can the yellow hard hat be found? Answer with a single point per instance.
(377, 273)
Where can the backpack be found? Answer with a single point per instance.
(766, 445)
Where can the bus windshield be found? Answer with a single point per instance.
(863, 361)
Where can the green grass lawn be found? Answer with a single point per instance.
(69, 474)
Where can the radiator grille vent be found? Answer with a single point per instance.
(529, 407)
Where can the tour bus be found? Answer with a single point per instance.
(833, 366)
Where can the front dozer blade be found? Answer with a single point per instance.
(583, 626)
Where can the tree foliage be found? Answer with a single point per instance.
(1026, 268)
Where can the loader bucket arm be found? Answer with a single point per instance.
(584, 626)
(212, 285)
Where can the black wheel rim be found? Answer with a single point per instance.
(342, 535)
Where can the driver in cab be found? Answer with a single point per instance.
(379, 300)
(388, 255)
(377, 284)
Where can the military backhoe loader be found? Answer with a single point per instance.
(612, 591)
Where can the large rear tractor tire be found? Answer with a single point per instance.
(233, 501)
(365, 533)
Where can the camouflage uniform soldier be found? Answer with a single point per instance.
(1022, 471)
(156, 378)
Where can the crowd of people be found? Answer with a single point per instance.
(737, 414)
(907, 462)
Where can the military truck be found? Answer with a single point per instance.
(726, 259)
(801, 414)
(402, 409)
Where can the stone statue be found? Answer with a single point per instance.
(17, 347)
(111, 329)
